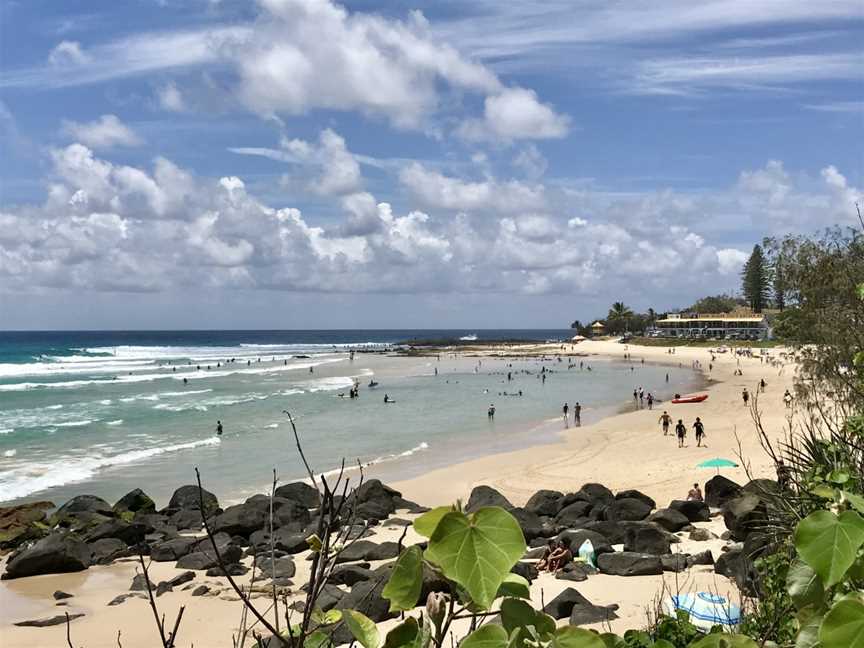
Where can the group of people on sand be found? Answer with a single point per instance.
(640, 396)
(556, 555)
(577, 414)
(665, 421)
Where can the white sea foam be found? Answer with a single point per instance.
(272, 425)
(54, 407)
(34, 477)
(10, 453)
(76, 423)
(382, 459)
(182, 393)
(114, 422)
(6, 430)
(106, 401)
(328, 384)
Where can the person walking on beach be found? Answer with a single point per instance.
(650, 401)
(787, 399)
(762, 384)
(745, 395)
(665, 420)
(681, 433)
(491, 412)
(577, 413)
(566, 411)
(218, 428)
(700, 431)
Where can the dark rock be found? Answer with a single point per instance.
(300, 492)
(744, 515)
(630, 509)
(290, 542)
(117, 600)
(544, 502)
(56, 554)
(614, 532)
(574, 515)
(728, 563)
(187, 520)
(675, 562)
(329, 597)
(701, 535)
(693, 510)
(202, 560)
(530, 523)
(635, 494)
(701, 558)
(719, 490)
(50, 621)
(285, 511)
(627, 563)
(139, 584)
(107, 550)
(365, 597)
(135, 501)
(234, 569)
(577, 537)
(172, 550)
(366, 550)
(535, 553)
(597, 512)
(21, 523)
(486, 496)
(561, 606)
(574, 571)
(84, 504)
(373, 510)
(180, 579)
(764, 489)
(597, 494)
(59, 595)
(374, 491)
(670, 519)
(131, 534)
(278, 568)
(584, 612)
(241, 519)
(397, 522)
(403, 504)
(647, 539)
(188, 498)
(526, 570)
(163, 587)
(350, 574)
(201, 590)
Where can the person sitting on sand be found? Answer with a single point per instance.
(560, 556)
(680, 432)
(695, 494)
(543, 563)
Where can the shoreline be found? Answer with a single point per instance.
(623, 451)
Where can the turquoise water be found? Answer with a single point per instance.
(105, 419)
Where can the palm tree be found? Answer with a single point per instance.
(620, 311)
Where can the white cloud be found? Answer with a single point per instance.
(338, 170)
(516, 113)
(67, 53)
(104, 133)
(171, 98)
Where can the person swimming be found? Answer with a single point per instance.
(218, 428)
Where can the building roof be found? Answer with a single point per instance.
(598, 325)
(714, 318)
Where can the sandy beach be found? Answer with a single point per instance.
(628, 450)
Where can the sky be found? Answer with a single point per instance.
(169, 164)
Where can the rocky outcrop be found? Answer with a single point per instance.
(187, 498)
(635, 494)
(670, 519)
(719, 490)
(300, 492)
(135, 501)
(744, 515)
(647, 539)
(694, 511)
(486, 496)
(366, 550)
(627, 509)
(544, 502)
(22, 523)
(58, 553)
(628, 563)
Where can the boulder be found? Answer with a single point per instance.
(240, 519)
(163, 588)
(187, 498)
(574, 571)
(181, 579)
(574, 515)
(277, 568)
(397, 522)
(234, 569)
(544, 502)
(630, 509)
(187, 520)
(366, 550)
(50, 621)
(329, 597)
(719, 490)
(84, 504)
(628, 563)
(60, 595)
(596, 494)
(584, 612)
(300, 492)
(120, 598)
(285, 511)
(403, 504)
(291, 543)
(139, 584)
(561, 606)
(615, 532)
(374, 491)
(202, 560)
(486, 496)
(744, 515)
(107, 550)
(350, 574)
(526, 570)
(375, 510)
(130, 533)
(670, 519)
(647, 539)
(201, 590)
(635, 494)
(530, 523)
(675, 562)
(55, 554)
(701, 535)
(21, 523)
(578, 536)
(135, 501)
(365, 597)
(701, 558)
(694, 511)
(172, 550)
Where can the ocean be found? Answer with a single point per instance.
(105, 412)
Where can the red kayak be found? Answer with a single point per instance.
(695, 398)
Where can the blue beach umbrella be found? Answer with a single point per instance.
(706, 609)
(717, 463)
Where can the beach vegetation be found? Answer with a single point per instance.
(755, 280)
(722, 303)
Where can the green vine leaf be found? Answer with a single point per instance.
(516, 586)
(611, 640)
(406, 581)
(843, 626)
(828, 543)
(327, 618)
(804, 586)
(405, 635)
(477, 551)
(317, 639)
(856, 501)
(808, 633)
(573, 637)
(488, 636)
(362, 628)
(426, 524)
(722, 640)
(516, 614)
